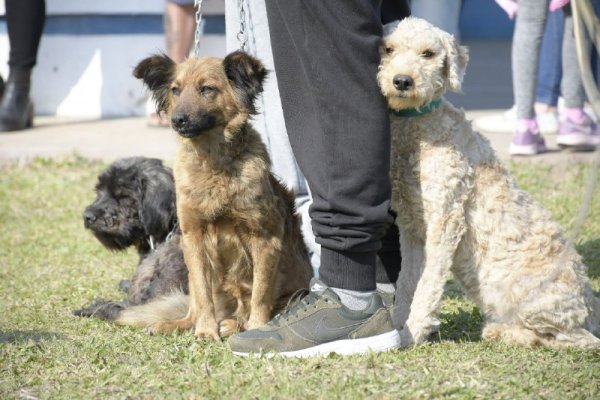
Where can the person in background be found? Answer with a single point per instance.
(445, 14)
(547, 88)
(577, 128)
(180, 25)
(25, 22)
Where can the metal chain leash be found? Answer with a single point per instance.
(198, 6)
(587, 22)
(242, 36)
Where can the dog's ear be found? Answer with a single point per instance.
(456, 61)
(246, 75)
(157, 73)
(157, 199)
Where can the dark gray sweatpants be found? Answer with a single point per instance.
(326, 57)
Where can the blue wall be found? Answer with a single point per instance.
(116, 24)
(484, 19)
(480, 19)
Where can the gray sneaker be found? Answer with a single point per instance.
(319, 324)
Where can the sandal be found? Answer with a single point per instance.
(156, 120)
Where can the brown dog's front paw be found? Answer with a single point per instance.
(203, 332)
(254, 323)
(228, 327)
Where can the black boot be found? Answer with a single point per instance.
(16, 109)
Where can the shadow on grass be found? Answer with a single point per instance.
(453, 290)
(13, 337)
(462, 325)
(463, 322)
(590, 251)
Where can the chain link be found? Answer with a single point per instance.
(242, 36)
(198, 6)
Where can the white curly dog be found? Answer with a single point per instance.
(460, 212)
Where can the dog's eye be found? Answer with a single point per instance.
(175, 91)
(428, 54)
(207, 89)
(389, 50)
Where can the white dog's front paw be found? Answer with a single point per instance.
(413, 334)
(406, 339)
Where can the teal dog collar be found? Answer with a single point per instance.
(415, 112)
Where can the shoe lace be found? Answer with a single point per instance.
(301, 300)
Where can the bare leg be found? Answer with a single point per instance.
(180, 25)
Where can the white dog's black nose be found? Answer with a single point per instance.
(403, 82)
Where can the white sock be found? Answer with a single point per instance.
(386, 287)
(354, 299)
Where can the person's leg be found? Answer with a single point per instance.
(25, 23)
(180, 26)
(269, 121)
(527, 38)
(572, 85)
(326, 57)
(179, 23)
(338, 126)
(388, 263)
(577, 128)
(550, 65)
(547, 88)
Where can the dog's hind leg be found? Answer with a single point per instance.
(520, 335)
(577, 337)
(511, 334)
(561, 316)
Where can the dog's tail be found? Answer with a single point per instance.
(163, 309)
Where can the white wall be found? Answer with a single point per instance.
(89, 75)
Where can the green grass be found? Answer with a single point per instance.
(49, 265)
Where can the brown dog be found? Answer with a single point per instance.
(240, 237)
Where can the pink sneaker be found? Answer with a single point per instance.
(527, 142)
(585, 134)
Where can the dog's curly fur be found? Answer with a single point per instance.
(460, 212)
(135, 206)
(240, 236)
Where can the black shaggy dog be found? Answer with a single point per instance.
(135, 206)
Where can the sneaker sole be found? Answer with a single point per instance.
(576, 140)
(525, 150)
(384, 342)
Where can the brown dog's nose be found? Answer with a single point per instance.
(179, 120)
(403, 82)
